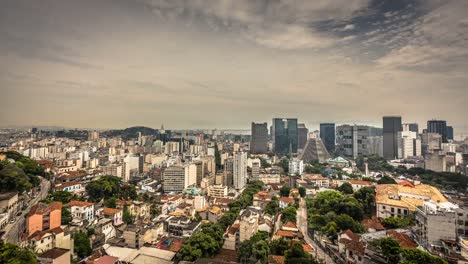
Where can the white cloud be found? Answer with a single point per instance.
(348, 27)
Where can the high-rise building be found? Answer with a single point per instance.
(391, 127)
(439, 127)
(174, 179)
(351, 140)
(296, 166)
(228, 171)
(327, 134)
(413, 127)
(255, 169)
(409, 145)
(302, 135)
(259, 139)
(239, 174)
(450, 132)
(285, 136)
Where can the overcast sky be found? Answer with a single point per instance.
(225, 63)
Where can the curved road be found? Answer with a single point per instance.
(303, 224)
(14, 231)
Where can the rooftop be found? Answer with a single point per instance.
(407, 196)
(54, 253)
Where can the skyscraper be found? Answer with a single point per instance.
(450, 132)
(391, 127)
(413, 127)
(439, 127)
(284, 134)
(239, 170)
(302, 135)
(259, 139)
(327, 134)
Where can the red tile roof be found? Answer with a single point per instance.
(288, 200)
(111, 211)
(79, 203)
(403, 239)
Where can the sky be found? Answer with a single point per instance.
(226, 63)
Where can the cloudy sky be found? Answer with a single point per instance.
(225, 63)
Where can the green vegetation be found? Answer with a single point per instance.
(272, 207)
(205, 243)
(284, 191)
(331, 212)
(82, 244)
(297, 255)
(20, 176)
(393, 253)
(284, 164)
(108, 187)
(13, 254)
(289, 214)
(127, 217)
(375, 163)
(302, 191)
(66, 215)
(366, 197)
(345, 188)
(443, 180)
(386, 180)
(264, 163)
(397, 222)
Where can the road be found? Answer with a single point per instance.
(302, 224)
(14, 231)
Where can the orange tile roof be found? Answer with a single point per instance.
(288, 200)
(215, 210)
(307, 248)
(290, 225)
(111, 211)
(360, 182)
(273, 259)
(403, 239)
(373, 223)
(284, 233)
(42, 208)
(79, 203)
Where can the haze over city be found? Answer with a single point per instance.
(207, 64)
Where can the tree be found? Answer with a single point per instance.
(61, 196)
(297, 255)
(108, 186)
(415, 256)
(289, 214)
(366, 197)
(128, 192)
(82, 244)
(66, 215)
(345, 222)
(396, 222)
(345, 188)
(127, 217)
(264, 163)
(302, 191)
(279, 246)
(284, 191)
(272, 208)
(284, 164)
(386, 180)
(110, 202)
(390, 249)
(13, 254)
(260, 251)
(13, 178)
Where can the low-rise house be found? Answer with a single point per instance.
(55, 256)
(249, 219)
(180, 226)
(214, 214)
(285, 202)
(232, 237)
(81, 210)
(42, 241)
(106, 229)
(288, 231)
(9, 203)
(114, 214)
(261, 199)
(140, 210)
(351, 246)
(317, 180)
(71, 187)
(136, 236)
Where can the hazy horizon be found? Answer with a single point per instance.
(207, 64)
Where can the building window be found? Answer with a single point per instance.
(392, 210)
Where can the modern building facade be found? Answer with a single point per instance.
(352, 140)
(439, 127)
(174, 179)
(259, 139)
(285, 135)
(391, 127)
(239, 174)
(413, 127)
(449, 133)
(302, 135)
(327, 134)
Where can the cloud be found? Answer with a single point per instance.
(348, 27)
(274, 24)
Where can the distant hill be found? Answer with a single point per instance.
(131, 132)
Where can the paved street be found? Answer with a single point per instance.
(302, 224)
(12, 231)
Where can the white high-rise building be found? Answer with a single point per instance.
(131, 166)
(255, 169)
(190, 175)
(296, 166)
(239, 170)
(409, 144)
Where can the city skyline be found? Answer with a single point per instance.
(191, 64)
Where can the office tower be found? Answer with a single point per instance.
(327, 134)
(450, 132)
(174, 179)
(314, 150)
(431, 142)
(133, 165)
(409, 145)
(391, 127)
(413, 127)
(284, 135)
(228, 171)
(439, 127)
(239, 174)
(374, 145)
(351, 140)
(255, 169)
(259, 139)
(302, 135)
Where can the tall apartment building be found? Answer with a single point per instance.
(285, 135)
(352, 140)
(439, 127)
(259, 139)
(413, 127)
(302, 135)
(296, 166)
(255, 169)
(133, 165)
(239, 174)
(409, 145)
(327, 134)
(248, 225)
(228, 172)
(190, 175)
(174, 179)
(43, 217)
(391, 127)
